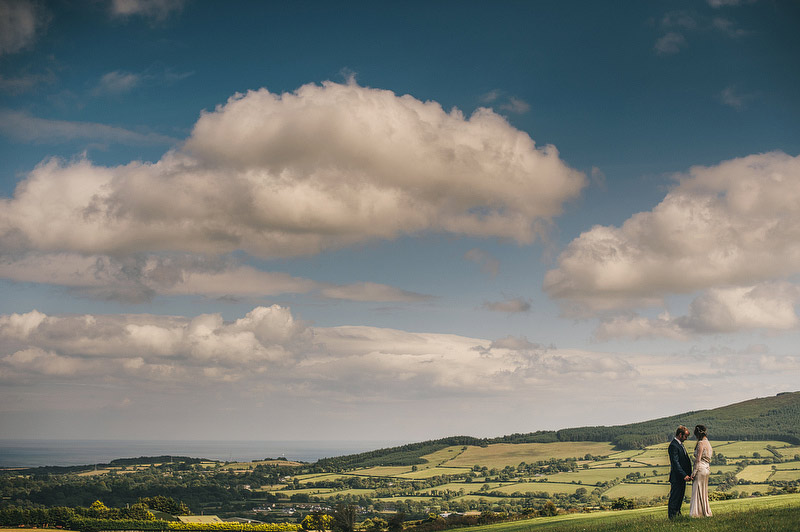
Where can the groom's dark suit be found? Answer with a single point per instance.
(679, 468)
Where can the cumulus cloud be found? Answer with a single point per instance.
(768, 307)
(21, 126)
(724, 229)
(282, 175)
(147, 346)
(511, 306)
(20, 23)
(157, 10)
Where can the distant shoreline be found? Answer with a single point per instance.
(23, 453)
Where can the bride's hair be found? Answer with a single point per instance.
(700, 432)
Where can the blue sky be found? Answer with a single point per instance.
(393, 221)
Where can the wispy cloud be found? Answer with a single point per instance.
(140, 278)
(156, 10)
(671, 43)
(22, 126)
(20, 23)
(511, 306)
(120, 82)
(489, 264)
(725, 3)
(732, 97)
(728, 27)
(117, 82)
(504, 102)
(371, 292)
(24, 83)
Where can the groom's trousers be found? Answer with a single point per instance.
(677, 490)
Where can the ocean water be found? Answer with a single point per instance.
(34, 453)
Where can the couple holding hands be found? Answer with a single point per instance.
(681, 471)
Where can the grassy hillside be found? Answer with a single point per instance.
(767, 418)
(773, 514)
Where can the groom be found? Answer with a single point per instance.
(679, 471)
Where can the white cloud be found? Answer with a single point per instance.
(281, 175)
(729, 232)
(22, 126)
(20, 22)
(514, 305)
(670, 43)
(158, 10)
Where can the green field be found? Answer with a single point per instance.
(502, 473)
(435, 471)
(500, 455)
(755, 473)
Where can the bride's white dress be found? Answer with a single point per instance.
(702, 459)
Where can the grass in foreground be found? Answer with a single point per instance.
(768, 514)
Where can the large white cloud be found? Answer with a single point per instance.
(289, 174)
(727, 229)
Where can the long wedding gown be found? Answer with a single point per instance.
(702, 458)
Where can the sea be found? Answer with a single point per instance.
(36, 453)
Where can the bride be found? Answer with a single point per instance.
(702, 458)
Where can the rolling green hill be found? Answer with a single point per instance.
(767, 418)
